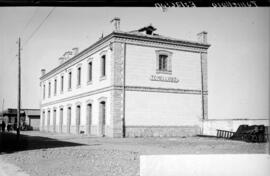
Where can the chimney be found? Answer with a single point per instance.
(61, 60)
(67, 55)
(116, 24)
(202, 37)
(43, 72)
(75, 51)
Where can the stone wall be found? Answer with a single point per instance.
(162, 131)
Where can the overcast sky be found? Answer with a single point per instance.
(238, 59)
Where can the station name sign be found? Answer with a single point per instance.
(164, 79)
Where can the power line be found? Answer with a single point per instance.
(29, 21)
(51, 11)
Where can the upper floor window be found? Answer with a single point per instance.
(78, 76)
(69, 80)
(163, 62)
(103, 65)
(44, 90)
(62, 83)
(49, 91)
(90, 67)
(55, 86)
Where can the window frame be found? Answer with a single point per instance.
(79, 76)
(44, 91)
(55, 86)
(168, 63)
(90, 71)
(69, 80)
(103, 66)
(49, 89)
(62, 83)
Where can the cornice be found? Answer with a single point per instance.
(165, 41)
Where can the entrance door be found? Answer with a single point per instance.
(54, 120)
(102, 118)
(89, 118)
(43, 121)
(68, 119)
(78, 119)
(48, 120)
(61, 120)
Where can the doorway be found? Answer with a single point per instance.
(102, 118)
(54, 120)
(89, 118)
(78, 119)
(61, 120)
(68, 119)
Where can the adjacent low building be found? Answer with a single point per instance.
(128, 84)
(29, 117)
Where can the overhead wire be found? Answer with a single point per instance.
(29, 21)
(39, 26)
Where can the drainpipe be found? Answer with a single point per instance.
(203, 118)
(124, 92)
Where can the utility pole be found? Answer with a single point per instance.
(3, 109)
(3, 106)
(19, 90)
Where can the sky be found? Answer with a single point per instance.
(238, 59)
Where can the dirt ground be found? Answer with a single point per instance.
(48, 154)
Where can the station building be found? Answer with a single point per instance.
(128, 84)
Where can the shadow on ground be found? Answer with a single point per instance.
(9, 143)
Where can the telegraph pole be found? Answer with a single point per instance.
(19, 89)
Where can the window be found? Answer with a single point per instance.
(79, 76)
(163, 65)
(44, 90)
(90, 66)
(103, 66)
(62, 83)
(163, 62)
(55, 86)
(49, 94)
(69, 80)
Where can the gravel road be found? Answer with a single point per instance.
(43, 154)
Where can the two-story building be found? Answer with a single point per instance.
(128, 84)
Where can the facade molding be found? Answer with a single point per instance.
(103, 52)
(127, 88)
(102, 99)
(89, 101)
(90, 59)
(160, 126)
(162, 45)
(105, 89)
(78, 103)
(162, 90)
(79, 65)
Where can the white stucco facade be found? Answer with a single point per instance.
(153, 86)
